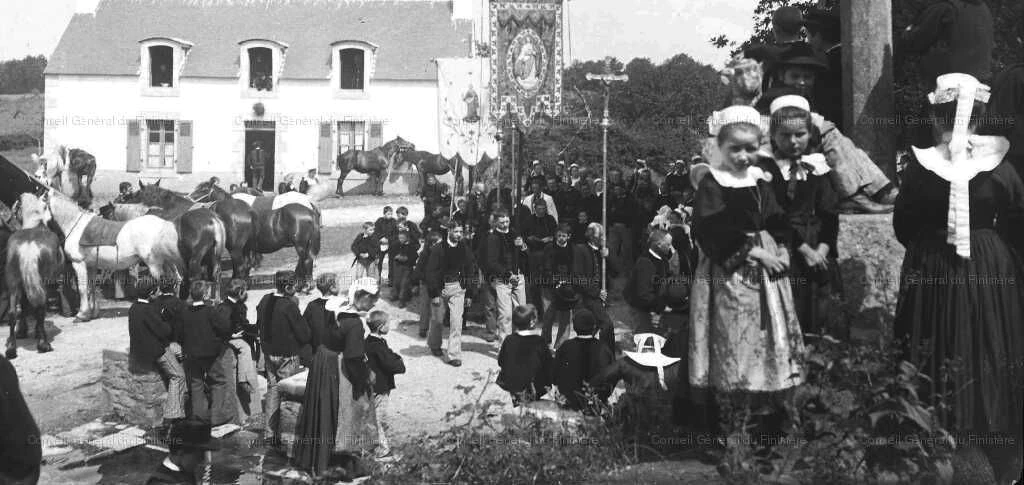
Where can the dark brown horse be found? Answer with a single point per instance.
(71, 171)
(293, 225)
(239, 222)
(376, 163)
(201, 234)
(33, 259)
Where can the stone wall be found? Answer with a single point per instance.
(133, 394)
(870, 260)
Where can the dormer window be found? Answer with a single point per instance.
(261, 62)
(161, 66)
(162, 60)
(352, 65)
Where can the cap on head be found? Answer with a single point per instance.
(788, 19)
(790, 101)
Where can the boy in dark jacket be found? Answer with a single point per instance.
(167, 301)
(151, 345)
(644, 290)
(244, 342)
(525, 359)
(384, 363)
(579, 360)
(417, 280)
(385, 229)
(285, 336)
(204, 333)
(403, 255)
(365, 250)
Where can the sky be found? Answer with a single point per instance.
(656, 29)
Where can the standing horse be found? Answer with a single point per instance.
(202, 236)
(289, 225)
(65, 170)
(111, 245)
(125, 212)
(376, 163)
(33, 258)
(239, 225)
(427, 163)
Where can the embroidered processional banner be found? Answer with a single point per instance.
(465, 126)
(526, 59)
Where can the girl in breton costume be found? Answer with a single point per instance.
(800, 177)
(960, 216)
(745, 341)
(337, 417)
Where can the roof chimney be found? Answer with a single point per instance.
(462, 9)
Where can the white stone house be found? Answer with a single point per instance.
(180, 89)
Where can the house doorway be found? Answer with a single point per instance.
(262, 133)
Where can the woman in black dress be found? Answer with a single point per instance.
(960, 215)
(336, 416)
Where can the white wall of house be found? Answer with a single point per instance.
(92, 113)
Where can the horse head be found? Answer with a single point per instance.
(33, 211)
(107, 211)
(49, 168)
(743, 76)
(208, 192)
(397, 145)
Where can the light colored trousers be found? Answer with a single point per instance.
(507, 297)
(381, 403)
(171, 369)
(453, 300)
(278, 369)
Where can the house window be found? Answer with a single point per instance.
(352, 68)
(351, 136)
(160, 148)
(161, 64)
(261, 69)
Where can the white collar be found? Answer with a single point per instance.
(984, 153)
(527, 333)
(587, 337)
(279, 295)
(499, 231)
(198, 303)
(595, 248)
(168, 464)
(232, 299)
(142, 300)
(749, 178)
(656, 255)
(830, 49)
(449, 241)
(561, 246)
(817, 161)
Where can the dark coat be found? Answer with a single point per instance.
(954, 36)
(384, 363)
(644, 288)
(576, 362)
(170, 307)
(639, 379)
(320, 320)
(415, 234)
(21, 451)
(525, 361)
(368, 245)
(283, 331)
(405, 254)
(148, 333)
(204, 332)
(451, 264)
(238, 314)
(586, 271)
(419, 270)
(503, 257)
(385, 227)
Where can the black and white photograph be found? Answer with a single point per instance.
(679, 242)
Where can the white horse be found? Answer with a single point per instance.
(147, 239)
(71, 171)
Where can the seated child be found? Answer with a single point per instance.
(524, 359)
(384, 363)
(580, 359)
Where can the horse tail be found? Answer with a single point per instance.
(26, 260)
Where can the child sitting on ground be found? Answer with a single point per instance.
(525, 359)
(580, 359)
(384, 363)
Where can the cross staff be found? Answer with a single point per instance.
(607, 79)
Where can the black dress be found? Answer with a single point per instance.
(972, 309)
(322, 413)
(810, 206)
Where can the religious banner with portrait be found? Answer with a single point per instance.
(464, 125)
(526, 59)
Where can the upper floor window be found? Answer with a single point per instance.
(261, 62)
(162, 59)
(161, 66)
(352, 65)
(352, 68)
(261, 69)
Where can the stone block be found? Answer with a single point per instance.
(870, 261)
(132, 393)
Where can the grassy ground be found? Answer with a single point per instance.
(21, 114)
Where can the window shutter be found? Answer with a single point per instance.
(133, 151)
(376, 136)
(325, 165)
(184, 162)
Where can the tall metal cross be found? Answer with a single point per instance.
(607, 78)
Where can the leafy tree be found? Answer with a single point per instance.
(19, 76)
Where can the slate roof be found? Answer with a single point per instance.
(409, 35)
